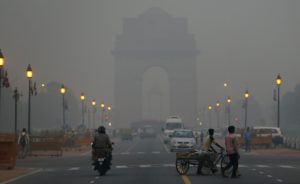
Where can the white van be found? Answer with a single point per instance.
(172, 123)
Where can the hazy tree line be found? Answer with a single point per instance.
(46, 109)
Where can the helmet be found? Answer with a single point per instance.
(101, 130)
(211, 131)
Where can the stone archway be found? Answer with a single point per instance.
(155, 39)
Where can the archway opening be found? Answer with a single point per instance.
(155, 94)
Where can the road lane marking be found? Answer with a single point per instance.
(279, 180)
(155, 152)
(253, 169)
(287, 167)
(97, 177)
(262, 166)
(139, 153)
(186, 179)
(125, 153)
(74, 169)
(145, 166)
(269, 176)
(121, 167)
(260, 172)
(169, 165)
(86, 153)
(92, 181)
(22, 176)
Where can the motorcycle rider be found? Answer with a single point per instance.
(102, 146)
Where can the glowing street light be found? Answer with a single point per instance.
(217, 109)
(82, 98)
(278, 83)
(29, 75)
(229, 110)
(62, 92)
(94, 111)
(1, 66)
(102, 105)
(246, 96)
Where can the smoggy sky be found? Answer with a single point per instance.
(243, 42)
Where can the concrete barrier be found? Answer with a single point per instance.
(8, 150)
(46, 145)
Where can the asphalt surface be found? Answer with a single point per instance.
(148, 161)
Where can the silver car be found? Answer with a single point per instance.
(182, 140)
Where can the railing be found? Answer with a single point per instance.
(292, 142)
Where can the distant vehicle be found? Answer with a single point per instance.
(275, 132)
(172, 123)
(182, 140)
(126, 134)
(148, 132)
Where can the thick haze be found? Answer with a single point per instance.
(244, 42)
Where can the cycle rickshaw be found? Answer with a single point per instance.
(193, 158)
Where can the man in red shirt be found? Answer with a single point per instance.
(232, 151)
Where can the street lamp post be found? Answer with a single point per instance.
(16, 97)
(278, 83)
(209, 115)
(29, 74)
(94, 111)
(109, 113)
(246, 96)
(63, 91)
(102, 113)
(229, 110)
(82, 98)
(218, 113)
(1, 66)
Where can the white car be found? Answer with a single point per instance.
(182, 140)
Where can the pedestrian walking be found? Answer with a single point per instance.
(248, 138)
(233, 153)
(23, 141)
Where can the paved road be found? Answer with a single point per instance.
(148, 161)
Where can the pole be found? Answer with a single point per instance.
(218, 117)
(0, 93)
(16, 97)
(209, 116)
(229, 115)
(102, 117)
(63, 108)
(246, 112)
(94, 112)
(82, 113)
(29, 106)
(278, 108)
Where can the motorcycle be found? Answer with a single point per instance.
(102, 162)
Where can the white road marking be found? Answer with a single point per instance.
(287, 166)
(260, 172)
(155, 152)
(169, 165)
(125, 153)
(121, 167)
(262, 166)
(140, 153)
(92, 181)
(74, 169)
(241, 165)
(269, 176)
(279, 180)
(86, 153)
(253, 169)
(97, 177)
(145, 166)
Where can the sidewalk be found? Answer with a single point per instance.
(6, 175)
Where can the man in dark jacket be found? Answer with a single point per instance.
(102, 145)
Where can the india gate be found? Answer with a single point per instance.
(155, 39)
